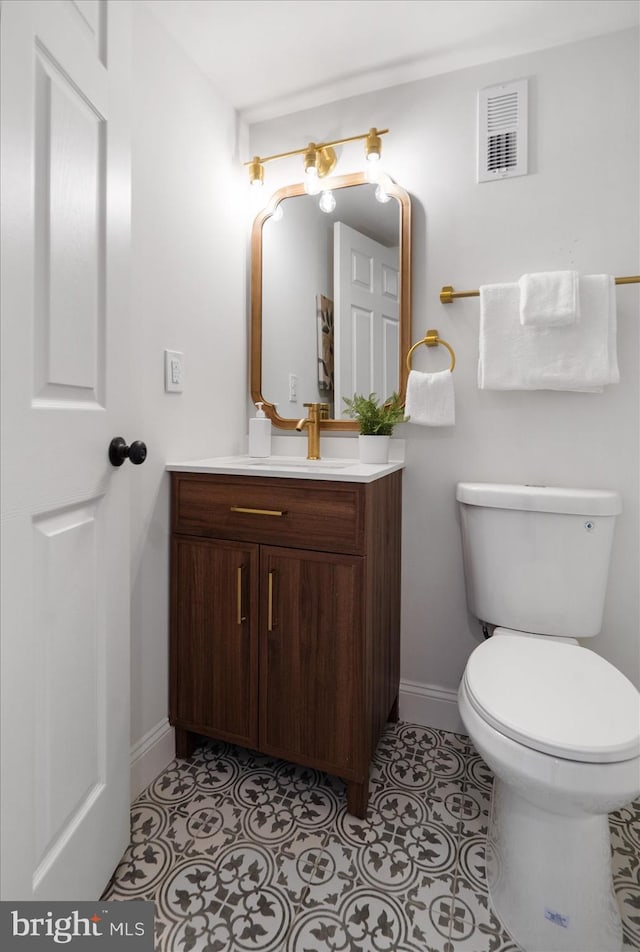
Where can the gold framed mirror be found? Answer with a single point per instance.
(330, 299)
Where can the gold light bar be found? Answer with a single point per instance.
(447, 294)
(372, 137)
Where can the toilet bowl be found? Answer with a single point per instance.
(548, 848)
(558, 725)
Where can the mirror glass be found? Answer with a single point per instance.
(330, 299)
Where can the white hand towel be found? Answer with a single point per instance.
(580, 356)
(549, 299)
(430, 398)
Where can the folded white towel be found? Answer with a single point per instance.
(430, 398)
(549, 299)
(580, 356)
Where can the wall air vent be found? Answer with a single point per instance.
(502, 131)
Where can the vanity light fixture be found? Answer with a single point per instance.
(312, 184)
(256, 172)
(373, 146)
(319, 159)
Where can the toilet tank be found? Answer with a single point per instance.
(536, 558)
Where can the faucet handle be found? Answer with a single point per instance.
(315, 410)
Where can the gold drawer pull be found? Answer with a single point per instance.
(259, 512)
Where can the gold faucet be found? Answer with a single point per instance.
(317, 411)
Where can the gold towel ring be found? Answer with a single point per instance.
(431, 339)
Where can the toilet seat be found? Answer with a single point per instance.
(555, 697)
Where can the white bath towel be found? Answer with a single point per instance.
(430, 398)
(549, 299)
(580, 356)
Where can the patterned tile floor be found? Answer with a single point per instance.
(243, 852)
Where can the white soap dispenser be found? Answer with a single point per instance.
(260, 434)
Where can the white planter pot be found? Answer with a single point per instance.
(373, 449)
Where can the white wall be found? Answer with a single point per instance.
(578, 208)
(188, 294)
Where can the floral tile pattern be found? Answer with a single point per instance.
(244, 852)
(625, 853)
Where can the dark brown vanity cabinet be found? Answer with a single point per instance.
(285, 617)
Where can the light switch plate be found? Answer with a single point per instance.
(173, 371)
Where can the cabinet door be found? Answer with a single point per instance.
(311, 659)
(214, 626)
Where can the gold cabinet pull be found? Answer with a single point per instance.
(241, 617)
(259, 512)
(270, 604)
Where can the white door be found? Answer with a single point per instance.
(65, 552)
(366, 315)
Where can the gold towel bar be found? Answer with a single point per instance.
(431, 339)
(448, 294)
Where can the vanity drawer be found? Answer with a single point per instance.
(309, 514)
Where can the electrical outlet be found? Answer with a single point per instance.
(173, 371)
(293, 388)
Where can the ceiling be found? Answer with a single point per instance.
(272, 57)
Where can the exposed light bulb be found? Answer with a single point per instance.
(327, 202)
(312, 184)
(374, 171)
(381, 195)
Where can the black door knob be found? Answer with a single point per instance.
(119, 452)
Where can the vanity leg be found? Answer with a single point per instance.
(185, 743)
(358, 798)
(394, 714)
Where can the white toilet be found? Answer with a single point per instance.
(558, 725)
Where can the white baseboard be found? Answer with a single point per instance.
(150, 755)
(430, 706)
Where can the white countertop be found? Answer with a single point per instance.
(342, 470)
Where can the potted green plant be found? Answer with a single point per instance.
(376, 421)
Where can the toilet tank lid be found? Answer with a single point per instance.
(585, 502)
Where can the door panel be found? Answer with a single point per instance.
(390, 355)
(69, 749)
(362, 338)
(65, 540)
(311, 659)
(214, 639)
(69, 207)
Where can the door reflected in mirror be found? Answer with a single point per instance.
(330, 299)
